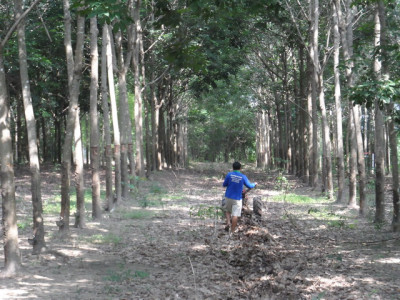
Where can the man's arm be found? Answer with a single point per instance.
(248, 183)
(226, 181)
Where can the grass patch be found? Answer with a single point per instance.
(333, 220)
(54, 206)
(137, 214)
(174, 197)
(125, 275)
(104, 239)
(298, 199)
(156, 189)
(23, 225)
(206, 212)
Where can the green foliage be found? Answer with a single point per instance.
(107, 11)
(384, 91)
(221, 125)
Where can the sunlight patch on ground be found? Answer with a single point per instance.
(83, 281)
(201, 247)
(42, 278)
(14, 294)
(389, 260)
(329, 283)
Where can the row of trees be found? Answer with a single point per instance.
(327, 87)
(144, 85)
(114, 78)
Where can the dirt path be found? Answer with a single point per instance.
(166, 244)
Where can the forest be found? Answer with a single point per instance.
(98, 98)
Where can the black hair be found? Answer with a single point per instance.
(236, 165)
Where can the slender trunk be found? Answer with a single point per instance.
(12, 253)
(123, 66)
(314, 90)
(352, 161)
(391, 126)
(114, 115)
(327, 149)
(74, 77)
(106, 122)
(338, 106)
(79, 174)
(379, 134)
(94, 120)
(395, 172)
(360, 161)
(138, 92)
(38, 241)
(148, 141)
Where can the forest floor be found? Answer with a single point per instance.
(167, 243)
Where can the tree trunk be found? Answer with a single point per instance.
(379, 134)
(114, 115)
(395, 172)
(74, 77)
(79, 174)
(327, 149)
(360, 160)
(38, 241)
(338, 106)
(94, 120)
(391, 126)
(314, 90)
(148, 140)
(12, 253)
(138, 92)
(123, 66)
(106, 118)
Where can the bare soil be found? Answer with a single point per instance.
(166, 242)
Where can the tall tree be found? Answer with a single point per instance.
(74, 66)
(138, 90)
(106, 120)
(79, 174)
(338, 107)
(379, 131)
(114, 114)
(94, 119)
(314, 7)
(38, 241)
(12, 253)
(392, 132)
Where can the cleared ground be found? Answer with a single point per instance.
(167, 242)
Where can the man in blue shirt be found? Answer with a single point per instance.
(234, 182)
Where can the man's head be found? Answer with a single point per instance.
(236, 166)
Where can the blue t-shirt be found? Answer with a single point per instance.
(234, 182)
